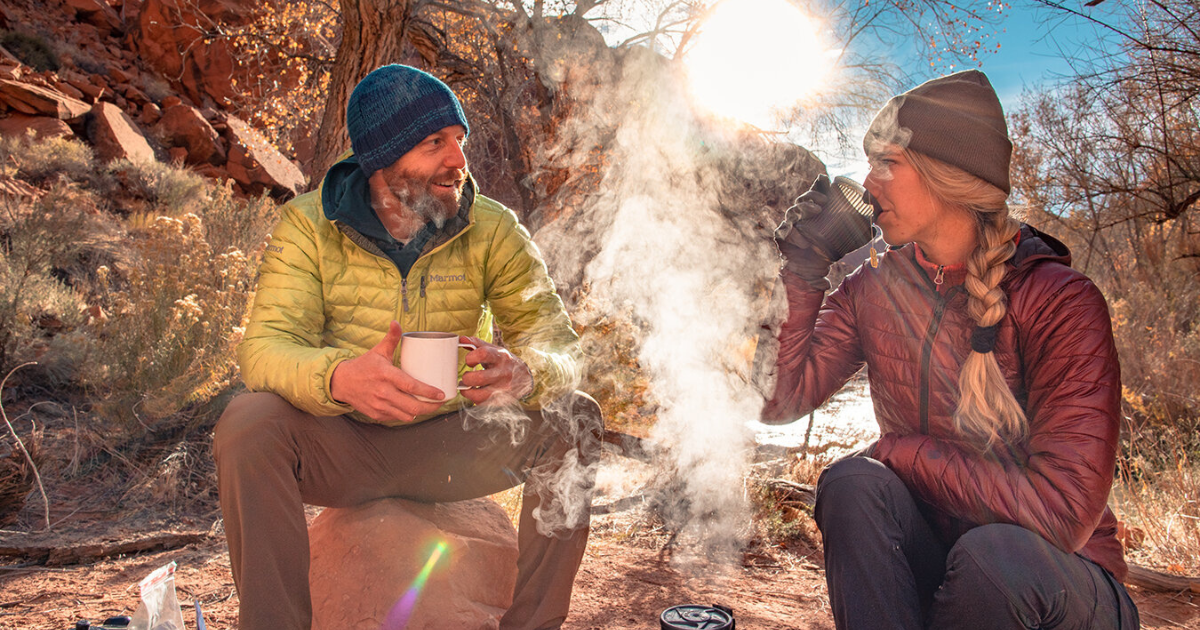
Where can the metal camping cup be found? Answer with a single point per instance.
(690, 616)
(432, 358)
(844, 224)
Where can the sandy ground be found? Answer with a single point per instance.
(627, 579)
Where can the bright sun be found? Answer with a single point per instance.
(754, 57)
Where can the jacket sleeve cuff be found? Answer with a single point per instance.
(328, 404)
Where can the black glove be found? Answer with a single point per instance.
(818, 230)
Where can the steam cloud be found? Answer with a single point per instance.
(698, 274)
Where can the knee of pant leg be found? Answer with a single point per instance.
(245, 421)
(994, 569)
(577, 419)
(588, 414)
(1008, 548)
(850, 486)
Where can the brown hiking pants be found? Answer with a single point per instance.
(272, 458)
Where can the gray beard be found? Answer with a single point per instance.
(431, 208)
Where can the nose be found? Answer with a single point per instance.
(455, 158)
(871, 183)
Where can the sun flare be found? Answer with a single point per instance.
(753, 58)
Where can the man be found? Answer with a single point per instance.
(398, 237)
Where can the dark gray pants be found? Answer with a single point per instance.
(273, 458)
(886, 568)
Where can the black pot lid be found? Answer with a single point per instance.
(695, 616)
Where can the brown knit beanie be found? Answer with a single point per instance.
(956, 119)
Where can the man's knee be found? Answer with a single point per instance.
(578, 421)
(247, 420)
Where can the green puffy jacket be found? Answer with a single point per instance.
(326, 293)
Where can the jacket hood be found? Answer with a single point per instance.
(1036, 246)
(346, 198)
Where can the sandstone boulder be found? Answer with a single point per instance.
(366, 562)
(40, 101)
(183, 126)
(95, 12)
(257, 165)
(115, 136)
(42, 127)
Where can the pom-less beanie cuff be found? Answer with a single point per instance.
(393, 109)
(957, 119)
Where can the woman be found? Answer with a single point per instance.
(994, 379)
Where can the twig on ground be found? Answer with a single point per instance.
(1158, 581)
(1146, 613)
(792, 491)
(631, 446)
(36, 475)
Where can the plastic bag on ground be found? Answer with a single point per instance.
(159, 609)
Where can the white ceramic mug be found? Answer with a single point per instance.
(432, 358)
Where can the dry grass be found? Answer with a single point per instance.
(1157, 498)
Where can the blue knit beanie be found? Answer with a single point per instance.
(395, 107)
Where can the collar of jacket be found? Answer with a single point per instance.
(1033, 248)
(346, 201)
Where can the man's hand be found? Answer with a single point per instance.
(382, 391)
(502, 372)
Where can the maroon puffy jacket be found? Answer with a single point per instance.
(1055, 349)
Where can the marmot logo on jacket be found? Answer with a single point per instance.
(437, 277)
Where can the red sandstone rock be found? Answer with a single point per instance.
(365, 559)
(183, 126)
(43, 127)
(8, 58)
(134, 95)
(150, 113)
(119, 75)
(30, 99)
(95, 13)
(212, 172)
(115, 136)
(91, 92)
(171, 101)
(178, 155)
(68, 89)
(168, 38)
(257, 165)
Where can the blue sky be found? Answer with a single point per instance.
(1031, 49)
(1032, 46)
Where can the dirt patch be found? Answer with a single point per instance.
(625, 582)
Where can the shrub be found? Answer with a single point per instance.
(176, 316)
(159, 189)
(48, 160)
(32, 50)
(47, 246)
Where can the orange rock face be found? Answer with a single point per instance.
(183, 126)
(41, 127)
(40, 101)
(115, 136)
(166, 29)
(257, 165)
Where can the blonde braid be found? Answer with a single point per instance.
(987, 412)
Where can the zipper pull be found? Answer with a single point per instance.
(940, 277)
(423, 279)
(404, 293)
